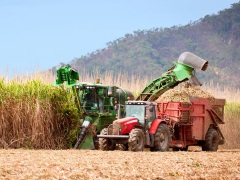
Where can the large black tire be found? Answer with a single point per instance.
(106, 144)
(161, 138)
(136, 140)
(211, 140)
(96, 142)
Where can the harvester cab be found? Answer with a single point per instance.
(95, 102)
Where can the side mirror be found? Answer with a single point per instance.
(112, 91)
(150, 108)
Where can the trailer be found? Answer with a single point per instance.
(194, 123)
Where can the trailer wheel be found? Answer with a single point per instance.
(161, 138)
(136, 140)
(211, 140)
(106, 144)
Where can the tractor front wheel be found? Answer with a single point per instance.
(106, 144)
(161, 138)
(136, 140)
(122, 147)
(211, 140)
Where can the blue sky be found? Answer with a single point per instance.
(41, 34)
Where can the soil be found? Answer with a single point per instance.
(96, 164)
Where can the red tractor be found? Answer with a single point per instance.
(141, 128)
(160, 125)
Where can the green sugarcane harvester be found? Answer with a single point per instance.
(97, 103)
(89, 97)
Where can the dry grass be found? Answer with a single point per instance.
(132, 83)
(231, 127)
(231, 94)
(136, 84)
(89, 164)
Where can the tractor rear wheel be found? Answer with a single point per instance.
(106, 144)
(211, 140)
(161, 138)
(136, 140)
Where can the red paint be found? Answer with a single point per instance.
(192, 119)
(154, 126)
(123, 120)
(127, 124)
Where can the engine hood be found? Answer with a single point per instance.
(126, 120)
(126, 124)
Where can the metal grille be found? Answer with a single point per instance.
(113, 129)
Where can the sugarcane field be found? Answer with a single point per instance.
(161, 102)
(41, 141)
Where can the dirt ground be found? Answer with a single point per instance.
(96, 164)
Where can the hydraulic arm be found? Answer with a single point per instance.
(181, 71)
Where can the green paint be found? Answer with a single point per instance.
(179, 73)
(88, 142)
(182, 71)
(93, 100)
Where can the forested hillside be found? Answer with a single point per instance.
(215, 38)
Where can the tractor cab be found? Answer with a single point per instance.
(144, 111)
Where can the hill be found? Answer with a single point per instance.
(215, 38)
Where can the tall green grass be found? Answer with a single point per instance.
(34, 114)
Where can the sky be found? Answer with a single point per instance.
(37, 35)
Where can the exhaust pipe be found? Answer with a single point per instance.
(194, 61)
